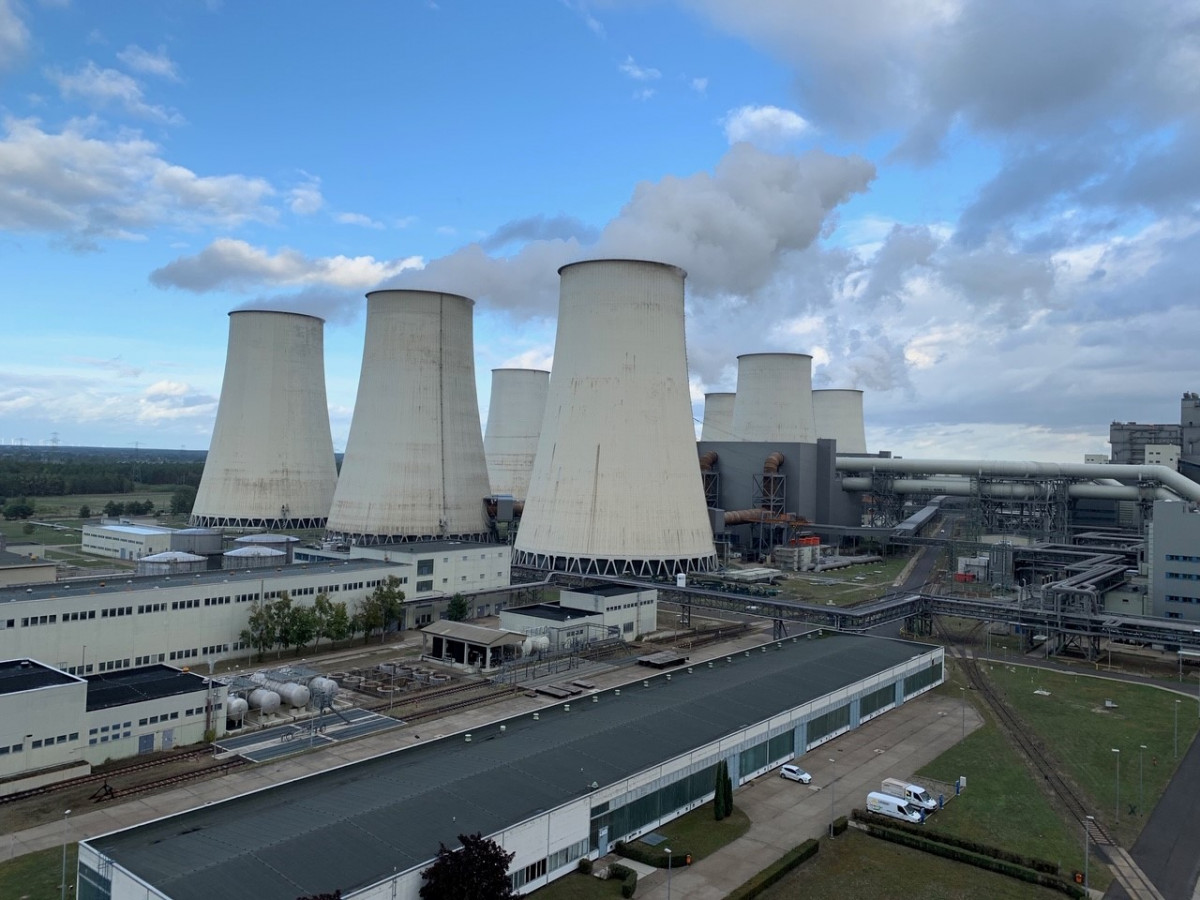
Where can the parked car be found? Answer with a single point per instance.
(794, 773)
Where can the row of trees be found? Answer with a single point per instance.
(281, 624)
(35, 478)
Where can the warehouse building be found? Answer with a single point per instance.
(550, 787)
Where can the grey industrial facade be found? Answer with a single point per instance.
(551, 787)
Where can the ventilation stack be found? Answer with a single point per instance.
(615, 487)
(514, 422)
(774, 399)
(838, 413)
(414, 467)
(718, 417)
(270, 464)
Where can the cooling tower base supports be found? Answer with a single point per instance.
(251, 522)
(642, 568)
(371, 540)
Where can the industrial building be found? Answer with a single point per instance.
(270, 463)
(16, 569)
(55, 725)
(1173, 560)
(1136, 444)
(615, 489)
(134, 540)
(550, 787)
(414, 467)
(587, 614)
(514, 422)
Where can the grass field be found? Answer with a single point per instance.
(699, 834)
(855, 865)
(840, 586)
(579, 887)
(38, 876)
(1074, 719)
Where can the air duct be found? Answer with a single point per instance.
(270, 462)
(615, 487)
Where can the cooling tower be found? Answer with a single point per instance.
(838, 414)
(270, 464)
(414, 467)
(774, 398)
(718, 417)
(514, 422)
(615, 487)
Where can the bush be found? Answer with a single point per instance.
(775, 872)
(840, 824)
(649, 856)
(628, 878)
(932, 845)
(585, 865)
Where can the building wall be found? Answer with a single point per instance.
(633, 613)
(1173, 558)
(41, 727)
(86, 629)
(33, 573)
(104, 540)
(159, 724)
(445, 569)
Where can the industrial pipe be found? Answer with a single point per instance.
(957, 488)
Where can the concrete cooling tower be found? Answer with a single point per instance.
(839, 415)
(514, 422)
(414, 467)
(615, 487)
(270, 464)
(718, 417)
(774, 398)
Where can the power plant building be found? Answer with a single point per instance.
(615, 486)
(514, 422)
(838, 414)
(270, 463)
(414, 467)
(774, 398)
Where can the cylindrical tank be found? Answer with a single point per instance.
(289, 692)
(201, 541)
(774, 399)
(170, 562)
(838, 413)
(324, 688)
(252, 558)
(235, 709)
(282, 542)
(270, 463)
(718, 417)
(615, 487)
(414, 467)
(514, 422)
(266, 702)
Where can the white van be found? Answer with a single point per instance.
(895, 807)
(913, 793)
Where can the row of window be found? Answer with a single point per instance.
(1175, 598)
(1177, 557)
(104, 729)
(39, 620)
(51, 741)
(79, 616)
(149, 659)
(185, 654)
(1184, 576)
(114, 664)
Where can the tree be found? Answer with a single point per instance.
(476, 871)
(322, 610)
(183, 500)
(338, 627)
(727, 787)
(85, 512)
(18, 509)
(113, 509)
(381, 609)
(280, 612)
(720, 810)
(27, 528)
(299, 627)
(259, 632)
(458, 609)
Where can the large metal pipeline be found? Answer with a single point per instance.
(1179, 485)
(957, 488)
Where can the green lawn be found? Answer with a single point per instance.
(1074, 720)
(579, 887)
(699, 834)
(855, 865)
(37, 876)
(844, 590)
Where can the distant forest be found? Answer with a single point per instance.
(55, 472)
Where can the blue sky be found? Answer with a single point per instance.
(984, 215)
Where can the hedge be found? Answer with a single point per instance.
(649, 855)
(585, 865)
(775, 872)
(1028, 862)
(840, 824)
(958, 854)
(628, 878)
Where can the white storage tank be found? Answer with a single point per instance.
(265, 701)
(323, 688)
(281, 542)
(252, 558)
(171, 562)
(291, 693)
(236, 708)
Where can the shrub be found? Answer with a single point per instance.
(629, 885)
(840, 824)
(649, 855)
(773, 873)
(585, 865)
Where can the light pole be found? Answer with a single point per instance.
(964, 712)
(1118, 806)
(1176, 755)
(668, 873)
(832, 798)
(1141, 796)
(1086, 850)
(66, 812)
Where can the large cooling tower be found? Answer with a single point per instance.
(270, 464)
(774, 398)
(514, 422)
(615, 487)
(414, 467)
(839, 415)
(718, 417)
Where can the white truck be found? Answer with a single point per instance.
(913, 793)
(895, 807)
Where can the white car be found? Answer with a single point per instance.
(794, 773)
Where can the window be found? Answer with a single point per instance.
(424, 586)
(424, 566)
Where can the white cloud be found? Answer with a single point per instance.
(631, 69)
(644, 93)
(351, 218)
(227, 264)
(699, 85)
(157, 63)
(305, 199)
(78, 183)
(768, 125)
(14, 36)
(108, 86)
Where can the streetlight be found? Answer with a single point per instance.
(66, 812)
(1086, 851)
(1176, 756)
(832, 797)
(1118, 806)
(668, 873)
(963, 690)
(1141, 796)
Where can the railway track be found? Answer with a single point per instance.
(107, 775)
(171, 780)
